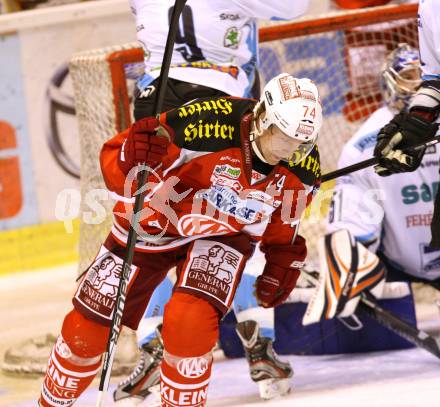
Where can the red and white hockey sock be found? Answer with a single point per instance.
(67, 376)
(184, 381)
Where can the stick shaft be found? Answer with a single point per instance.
(132, 234)
(367, 163)
(421, 339)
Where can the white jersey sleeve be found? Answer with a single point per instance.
(429, 37)
(395, 212)
(217, 41)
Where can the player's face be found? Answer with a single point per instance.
(276, 145)
(409, 79)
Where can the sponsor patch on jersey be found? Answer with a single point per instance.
(367, 141)
(245, 210)
(430, 259)
(230, 70)
(229, 16)
(197, 224)
(212, 268)
(227, 170)
(309, 169)
(230, 159)
(219, 107)
(429, 163)
(209, 124)
(226, 175)
(264, 197)
(98, 290)
(205, 129)
(418, 220)
(232, 38)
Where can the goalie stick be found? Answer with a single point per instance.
(368, 163)
(368, 306)
(132, 234)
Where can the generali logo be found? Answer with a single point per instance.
(192, 368)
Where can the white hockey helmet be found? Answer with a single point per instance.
(401, 76)
(292, 105)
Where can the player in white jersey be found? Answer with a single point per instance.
(420, 123)
(215, 54)
(216, 46)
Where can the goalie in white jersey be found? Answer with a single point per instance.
(420, 123)
(387, 217)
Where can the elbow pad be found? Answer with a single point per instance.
(426, 102)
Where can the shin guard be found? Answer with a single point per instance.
(67, 376)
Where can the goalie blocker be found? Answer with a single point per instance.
(328, 309)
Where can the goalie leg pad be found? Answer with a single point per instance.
(347, 269)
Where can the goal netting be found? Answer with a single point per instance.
(342, 52)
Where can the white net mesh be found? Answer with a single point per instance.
(100, 116)
(344, 63)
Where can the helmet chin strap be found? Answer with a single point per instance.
(257, 151)
(253, 135)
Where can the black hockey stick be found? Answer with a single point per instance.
(369, 306)
(368, 163)
(132, 234)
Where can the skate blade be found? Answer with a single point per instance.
(271, 388)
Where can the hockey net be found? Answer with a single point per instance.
(342, 53)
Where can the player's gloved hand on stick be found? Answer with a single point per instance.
(147, 142)
(283, 264)
(394, 142)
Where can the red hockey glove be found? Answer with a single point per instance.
(144, 145)
(283, 264)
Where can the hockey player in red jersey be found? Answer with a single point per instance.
(230, 172)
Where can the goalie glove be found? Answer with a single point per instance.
(283, 264)
(347, 269)
(396, 139)
(406, 130)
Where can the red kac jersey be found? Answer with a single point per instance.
(207, 188)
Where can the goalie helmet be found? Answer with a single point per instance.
(292, 105)
(401, 76)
